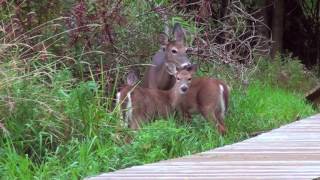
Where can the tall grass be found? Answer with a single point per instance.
(59, 128)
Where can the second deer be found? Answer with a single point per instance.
(209, 97)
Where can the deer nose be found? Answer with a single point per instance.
(184, 89)
(185, 65)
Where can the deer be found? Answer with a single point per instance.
(143, 104)
(172, 51)
(209, 97)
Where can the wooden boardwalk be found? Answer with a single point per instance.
(290, 152)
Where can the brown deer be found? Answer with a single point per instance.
(142, 104)
(209, 97)
(157, 77)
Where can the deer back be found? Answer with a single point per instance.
(205, 90)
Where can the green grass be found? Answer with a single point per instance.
(60, 126)
(62, 130)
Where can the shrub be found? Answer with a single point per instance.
(286, 72)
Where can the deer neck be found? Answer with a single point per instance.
(165, 80)
(174, 96)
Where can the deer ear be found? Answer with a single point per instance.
(178, 32)
(163, 39)
(189, 50)
(132, 78)
(171, 69)
(193, 68)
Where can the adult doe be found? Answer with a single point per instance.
(209, 97)
(142, 104)
(157, 77)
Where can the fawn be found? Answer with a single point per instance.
(209, 97)
(143, 104)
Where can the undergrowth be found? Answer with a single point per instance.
(57, 117)
(61, 129)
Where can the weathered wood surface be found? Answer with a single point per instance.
(290, 152)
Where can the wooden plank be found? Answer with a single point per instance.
(290, 152)
(251, 157)
(287, 177)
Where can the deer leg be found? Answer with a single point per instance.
(209, 114)
(134, 123)
(186, 115)
(220, 122)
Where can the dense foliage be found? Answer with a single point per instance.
(62, 130)
(61, 63)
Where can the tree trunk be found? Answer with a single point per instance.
(264, 30)
(277, 27)
(223, 8)
(223, 11)
(318, 36)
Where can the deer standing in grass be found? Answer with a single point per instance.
(157, 76)
(209, 97)
(142, 104)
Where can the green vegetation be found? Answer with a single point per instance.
(59, 128)
(58, 83)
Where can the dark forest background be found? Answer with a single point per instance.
(102, 25)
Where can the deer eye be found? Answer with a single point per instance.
(178, 79)
(174, 51)
(189, 79)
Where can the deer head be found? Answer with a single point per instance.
(132, 78)
(183, 76)
(175, 50)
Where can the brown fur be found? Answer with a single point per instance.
(150, 103)
(203, 97)
(156, 76)
(147, 104)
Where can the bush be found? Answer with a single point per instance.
(286, 72)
